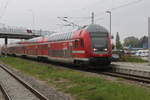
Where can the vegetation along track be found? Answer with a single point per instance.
(8, 96)
(107, 71)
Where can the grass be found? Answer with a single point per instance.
(132, 59)
(80, 85)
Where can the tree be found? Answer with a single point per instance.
(113, 46)
(143, 42)
(131, 42)
(118, 43)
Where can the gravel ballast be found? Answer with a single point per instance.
(15, 89)
(41, 86)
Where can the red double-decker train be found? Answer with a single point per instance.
(90, 45)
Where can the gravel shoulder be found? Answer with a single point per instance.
(14, 88)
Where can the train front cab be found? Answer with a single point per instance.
(97, 46)
(100, 45)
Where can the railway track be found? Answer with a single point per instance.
(11, 83)
(4, 95)
(128, 76)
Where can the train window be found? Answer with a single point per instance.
(76, 44)
(65, 36)
(49, 38)
(82, 43)
(52, 38)
(99, 34)
(62, 36)
(69, 35)
(59, 36)
(55, 38)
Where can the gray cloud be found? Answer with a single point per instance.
(130, 20)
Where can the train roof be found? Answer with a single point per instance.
(96, 28)
(60, 36)
(68, 35)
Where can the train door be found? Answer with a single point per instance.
(70, 49)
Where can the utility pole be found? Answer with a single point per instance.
(109, 12)
(149, 38)
(92, 18)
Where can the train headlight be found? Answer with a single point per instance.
(105, 49)
(94, 49)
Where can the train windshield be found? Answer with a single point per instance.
(99, 42)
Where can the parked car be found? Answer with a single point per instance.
(115, 57)
(142, 53)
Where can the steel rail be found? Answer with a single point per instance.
(128, 76)
(34, 91)
(4, 92)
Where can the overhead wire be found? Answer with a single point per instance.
(121, 6)
(83, 12)
(4, 6)
(99, 16)
(125, 5)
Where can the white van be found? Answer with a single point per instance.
(142, 53)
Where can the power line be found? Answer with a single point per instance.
(121, 6)
(4, 9)
(69, 22)
(78, 17)
(100, 18)
(87, 7)
(102, 13)
(128, 4)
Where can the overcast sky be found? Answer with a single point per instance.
(128, 20)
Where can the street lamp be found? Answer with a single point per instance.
(109, 12)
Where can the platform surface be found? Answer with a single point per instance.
(133, 66)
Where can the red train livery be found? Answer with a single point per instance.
(89, 45)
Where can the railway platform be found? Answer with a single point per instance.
(138, 69)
